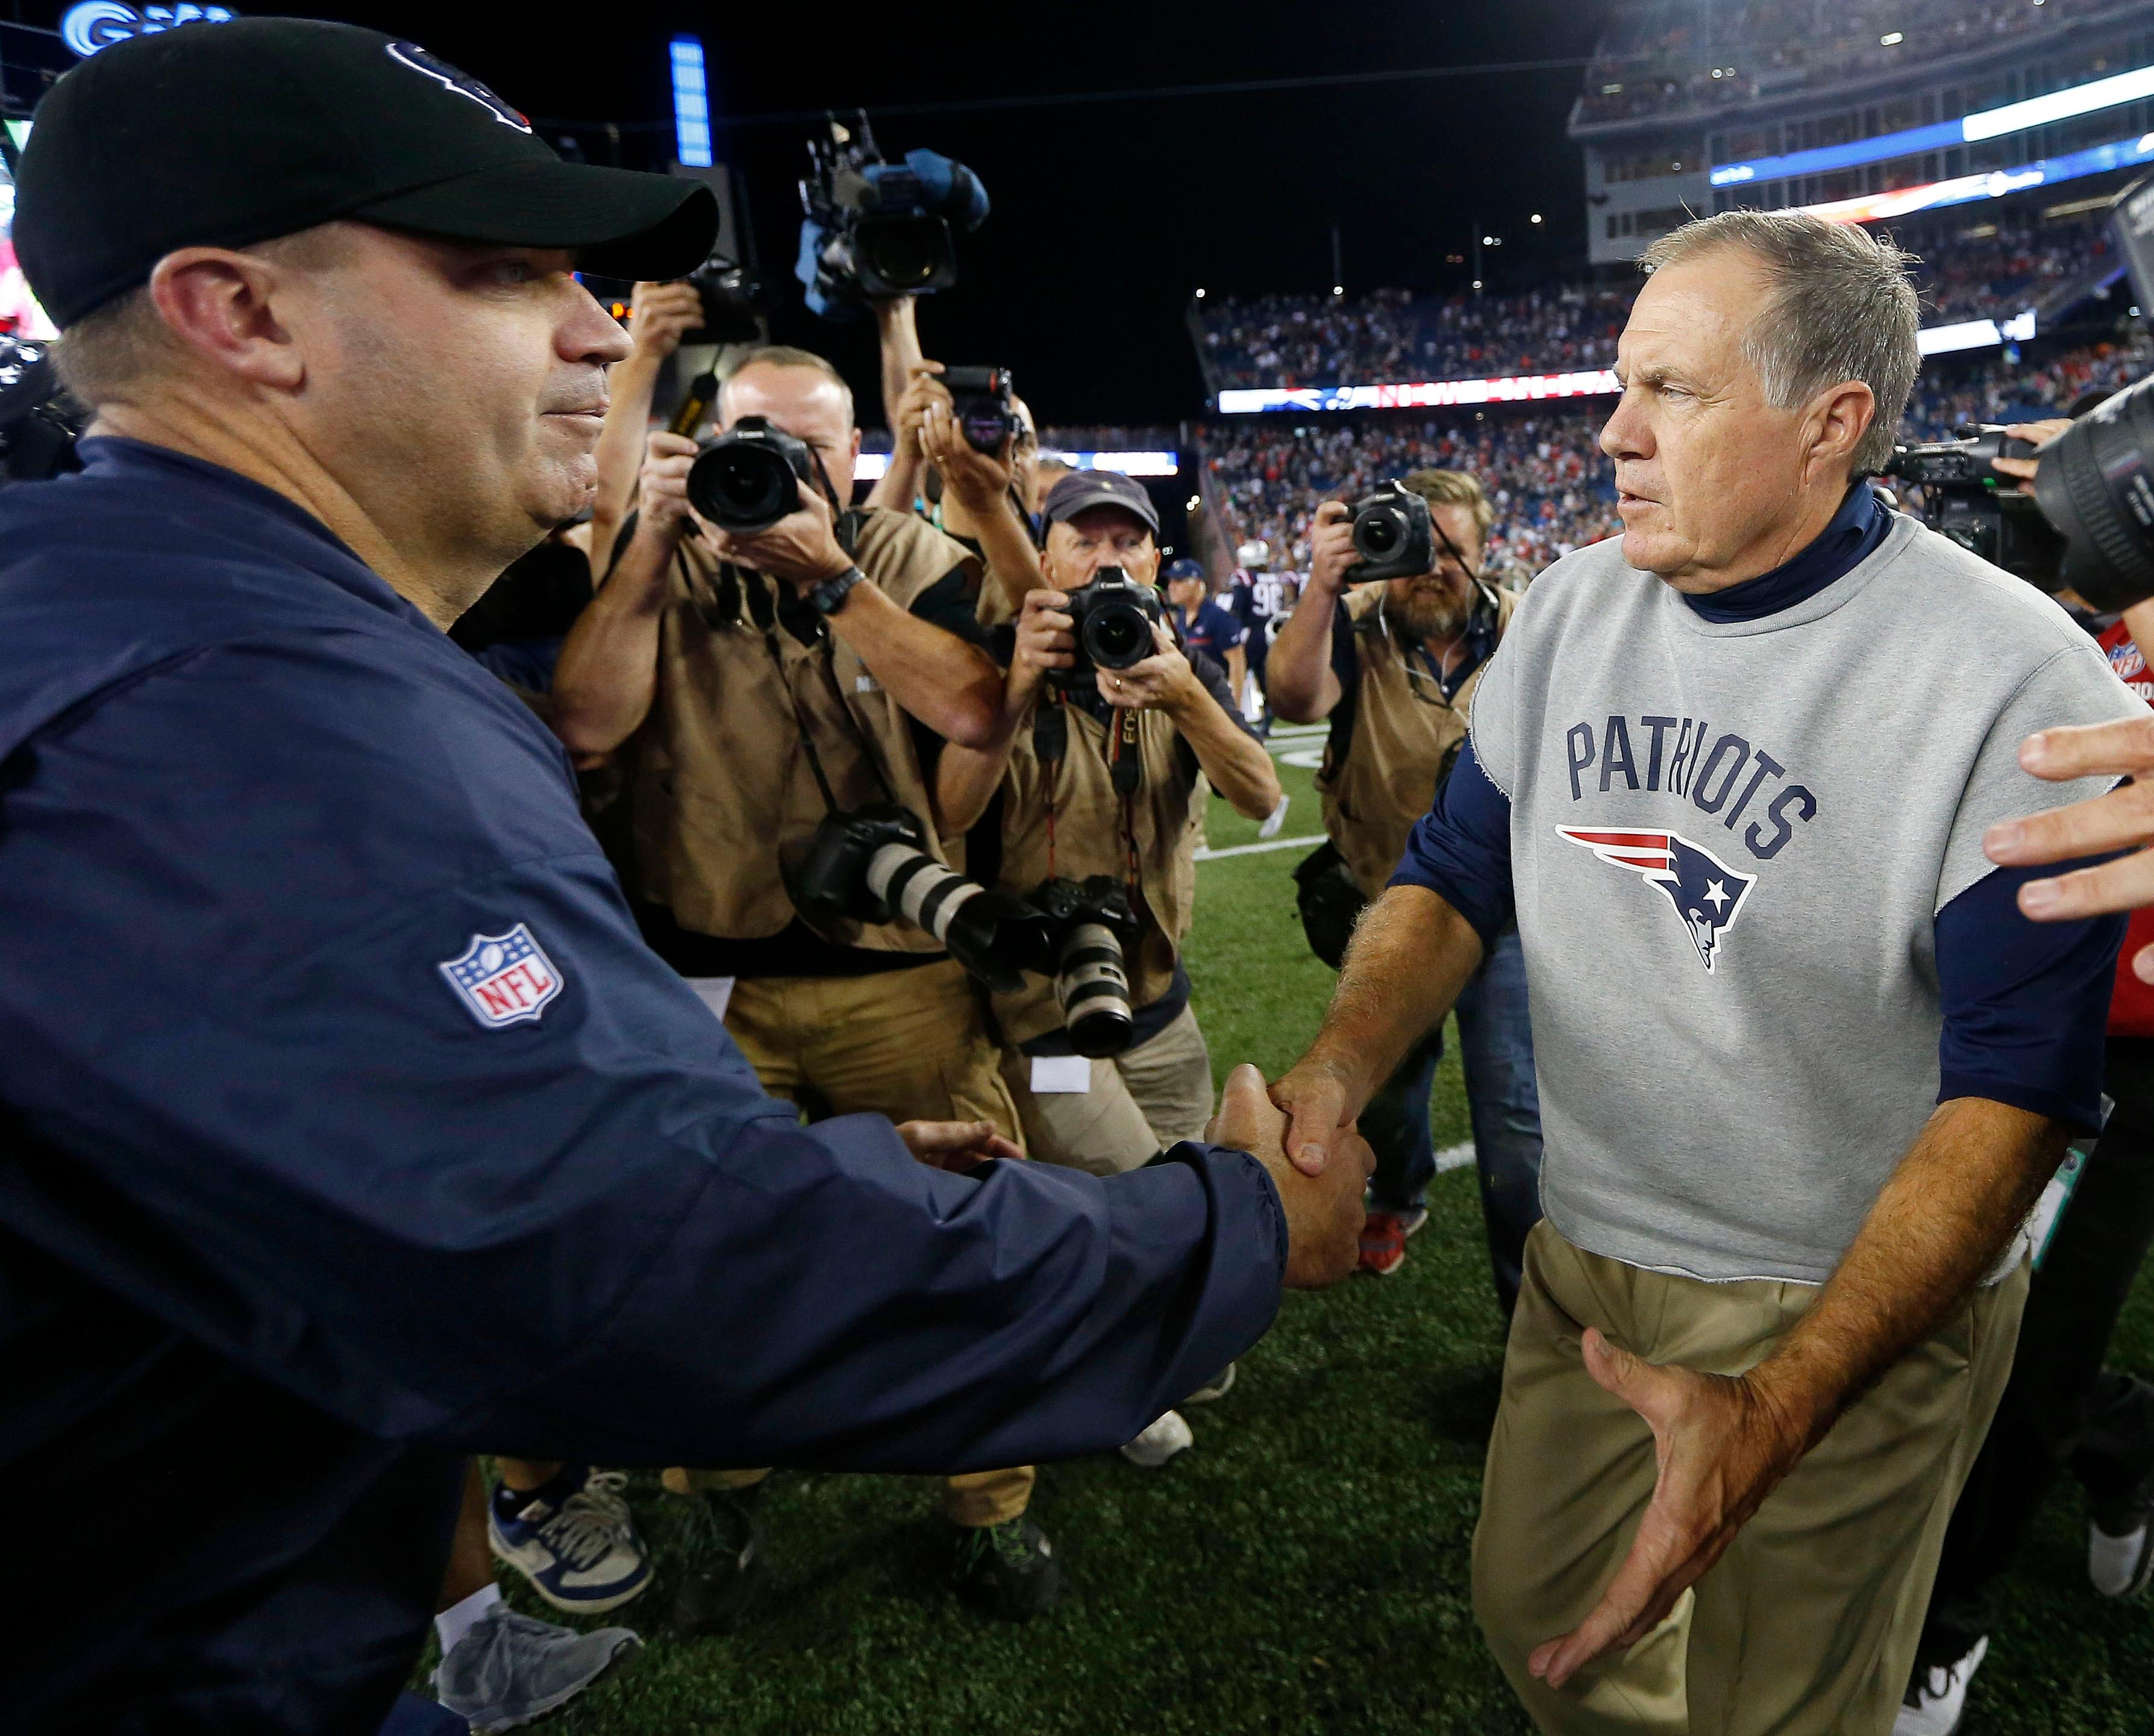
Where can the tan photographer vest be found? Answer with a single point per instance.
(724, 799)
(1403, 729)
(1094, 825)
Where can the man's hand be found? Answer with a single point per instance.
(2121, 819)
(661, 315)
(1046, 636)
(1163, 681)
(1723, 1445)
(802, 548)
(1323, 1215)
(2041, 434)
(663, 486)
(1331, 550)
(1314, 1096)
(957, 1146)
(922, 390)
(978, 481)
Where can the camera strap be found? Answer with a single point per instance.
(801, 723)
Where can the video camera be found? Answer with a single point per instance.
(40, 423)
(1113, 617)
(2088, 525)
(1393, 535)
(746, 479)
(874, 229)
(985, 405)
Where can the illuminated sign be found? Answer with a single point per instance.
(1936, 341)
(691, 103)
(1598, 382)
(1990, 124)
(871, 466)
(1870, 207)
(99, 23)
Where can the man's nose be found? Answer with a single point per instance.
(590, 334)
(1624, 435)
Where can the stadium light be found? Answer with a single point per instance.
(1338, 289)
(691, 103)
(1534, 218)
(1892, 38)
(1199, 295)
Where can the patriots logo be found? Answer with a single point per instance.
(1707, 893)
(456, 83)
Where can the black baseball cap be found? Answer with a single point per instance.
(1083, 489)
(222, 134)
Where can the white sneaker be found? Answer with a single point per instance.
(1936, 1698)
(2120, 1566)
(1167, 1436)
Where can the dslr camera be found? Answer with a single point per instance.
(985, 405)
(1393, 535)
(1088, 924)
(2088, 526)
(872, 866)
(729, 292)
(747, 478)
(1113, 617)
(874, 229)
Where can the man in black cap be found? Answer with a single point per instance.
(351, 1127)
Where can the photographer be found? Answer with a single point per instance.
(988, 501)
(659, 315)
(1394, 665)
(759, 683)
(1063, 814)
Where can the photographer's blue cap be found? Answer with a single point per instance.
(226, 135)
(1184, 568)
(1083, 489)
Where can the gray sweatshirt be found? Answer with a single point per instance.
(1730, 844)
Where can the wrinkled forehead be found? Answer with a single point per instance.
(1690, 317)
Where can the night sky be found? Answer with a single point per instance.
(1106, 214)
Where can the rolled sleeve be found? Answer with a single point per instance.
(1461, 849)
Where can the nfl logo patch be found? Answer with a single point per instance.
(503, 979)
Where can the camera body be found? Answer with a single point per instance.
(1965, 499)
(985, 405)
(871, 865)
(1089, 924)
(874, 229)
(40, 423)
(729, 292)
(1393, 535)
(747, 478)
(1113, 617)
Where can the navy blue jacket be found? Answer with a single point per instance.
(292, 1216)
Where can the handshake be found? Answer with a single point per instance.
(1323, 1211)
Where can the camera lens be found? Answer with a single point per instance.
(908, 253)
(1378, 534)
(2095, 484)
(1094, 992)
(1117, 634)
(741, 485)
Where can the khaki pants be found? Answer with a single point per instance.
(1808, 1624)
(1136, 1105)
(910, 1044)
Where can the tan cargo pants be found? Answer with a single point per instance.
(910, 1044)
(1808, 1624)
(1135, 1106)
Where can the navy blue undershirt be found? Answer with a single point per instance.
(2024, 1002)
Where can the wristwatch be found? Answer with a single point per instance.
(828, 595)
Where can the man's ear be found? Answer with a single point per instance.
(219, 305)
(1841, 415)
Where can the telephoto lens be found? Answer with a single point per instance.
(2095, 484)
(1092, 920)
(748, 479)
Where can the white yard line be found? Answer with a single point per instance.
(1455, 1156)
(1252, 850)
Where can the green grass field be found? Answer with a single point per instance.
(1304, 1568)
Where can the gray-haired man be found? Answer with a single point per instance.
(1804, 1066)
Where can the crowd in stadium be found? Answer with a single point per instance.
(1664, 56)
(1988, 268)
